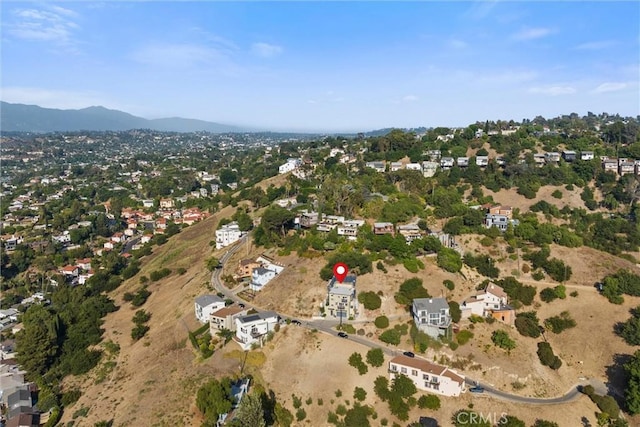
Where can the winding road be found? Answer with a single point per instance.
(327, 326)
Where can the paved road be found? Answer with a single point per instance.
(327, 326)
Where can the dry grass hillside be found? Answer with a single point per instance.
(154, 381)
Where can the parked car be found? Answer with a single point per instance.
(343, 335)
(409, 354)
(241, 305)
(296, 322)
(477, 389)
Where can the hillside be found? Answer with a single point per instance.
(32, 118)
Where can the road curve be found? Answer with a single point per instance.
(326, 326)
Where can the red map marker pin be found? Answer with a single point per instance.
(340, 270)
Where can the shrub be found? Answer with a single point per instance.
(139, 331)
(359, 394)
(381, 322)
(537, 275)
(301, 414)
(464, 336)
(527, 324)
(355, 360)
(501, 339)
(449, 284)
(429, 401)
(546, 356)
(411, 264)
(156, 275)
(370, 300)
(390, 336)
(559, 323)
(375, 357)
(557, 194)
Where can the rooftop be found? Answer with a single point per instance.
(207, 300)
(431, 304)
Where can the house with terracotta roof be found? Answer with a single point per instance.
(70, 270)
(225, 318)
(427, 376)
(491, 302)
(246, 267)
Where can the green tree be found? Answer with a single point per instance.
(429, 401)
(381, 322)
(403, 386)
(37, 342)
(370, 300)
(511, 421)
(359, 394)
(250, 412)
(454, 311)
(501, 339)
(391, 336)
(375, 357)
(214, 398)
(381, 388)
(358, 416)
(632, 391)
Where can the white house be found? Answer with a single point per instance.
(260, 277)
(429, 169)
(225, 318)
(291, 165)
(341, 298)
(413, 167)
(586, 155)
(228, 234)
(349, 228)
(431, 316)
(207, 304)
(253, 328)
(481, 304)
(427, 376)
(482, 161)
(377, 166)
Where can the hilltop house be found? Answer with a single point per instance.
(383, 228)
(291, 165)
(341, 298)
(246, 267)
(491, 302)
(410, 232)
(431, 316)
(228, 234)
(207, 304)
(225, 318)
(253, 328)
(428, 376)
(308, 219)
(349, 228)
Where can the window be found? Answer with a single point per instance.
(403, 370)
(414, 372)
(425, 376)
(394, 368)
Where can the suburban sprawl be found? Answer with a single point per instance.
(179, 279)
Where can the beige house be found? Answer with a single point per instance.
(225, 318)
(246, 267)
(427, 376)
(341, 298)
(490, 302)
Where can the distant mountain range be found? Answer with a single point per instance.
(32, 118)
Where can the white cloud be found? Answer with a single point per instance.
(532, 33)
(266, 50)
(55, 25)
(457, 44)
(553, 90)
(410, 98)
(610, 87)
(596, 45)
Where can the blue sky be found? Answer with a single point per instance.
(330, 66)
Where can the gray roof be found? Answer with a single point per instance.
(350, 280)
(18, 396)
(207, 300)
(431, 305)
(257, 316)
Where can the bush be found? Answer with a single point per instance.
(390, 336)
(381, 322)
(559, 323)
(429, 401)
(546, 356)
(156, 275)
(449, 260)
(139, 331)
(464, 336)
(557, 194)
(449, 284)
(68, 397)
(411, 289)
(375, 357)
(359, 394)
(355, 360)
(454, 311)
(301, 414)
(370, 300)
(411, 264)
(501, 339)
(527, 324)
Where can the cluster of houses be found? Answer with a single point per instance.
(620, 166)
(259, 272)
(16, 394)
(77, 273)
(250, 328)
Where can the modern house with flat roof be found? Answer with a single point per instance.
(431, 316)
(341, 298)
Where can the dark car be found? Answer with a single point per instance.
(409, 354)
(477, 389)
(241, 305)
(343, 335)
(296, 322)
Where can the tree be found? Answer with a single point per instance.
(375, 357)
(403, 387)
(527, 324)
(359, 394)
(37, 342)
(454, 311)
(249, 412)
(632, 392)
(429, 401)
(501, 339)
(213, 263)
(370, 300)
(449, 260)
(381, 322)
(511, 421)
(214, 398)
(544, 423)
(381, 388)
(391, 336)
(411, 289)
(358, 416)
